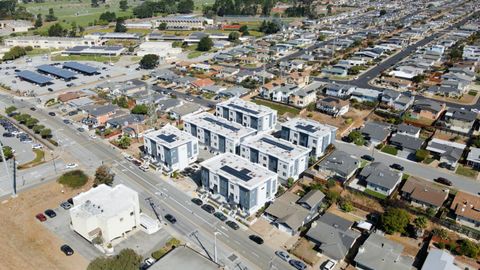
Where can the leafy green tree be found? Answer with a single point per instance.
(50, 16)
(469, 249)
(140, 109)
(243, 28)
(269, 27)
(356, 137)
(31, 122)
(10, 109)
(123, 5)
(346, 206)
(418, 78)
(108, 16)
(355, 70)
(149, 61)
(185, 6)
(22, 118)
(383, 12)
(14, 53)
(267, 7)
(394, 220)
(205, 44)
(121, 102)
(321, 37)
(56, 30)
(124, 142)
(8, 152)
(38, 128)
(120, 26)
(38, 21)
(420, 222)
(103, 175)
(162, 26)
(233, 36)
(46, 133)
(290, 182)
(421, 154)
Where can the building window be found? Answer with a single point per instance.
(131, 213)
(264, 158)
(121, 219)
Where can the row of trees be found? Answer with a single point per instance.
(239, 7)
(10, 10)
(149, 8)
(16, 52)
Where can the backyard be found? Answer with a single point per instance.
(280, 108)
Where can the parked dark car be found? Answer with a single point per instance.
(72, 113)
(50, 213)
(197, 201)
(67, 250)
(50, 89)
(297, 264)
(368, 157)
(208, 208)
(33, 109)
(170, 218)
(443, 180)
(41, 217)
(232, 225)
(66, 121)
(80, 129)
(51, 114)
(66, 205)
(7, 134)
(70, 201)
(220, 216)
(257, 239)
(397, 167)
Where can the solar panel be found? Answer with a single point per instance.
(243, 109)
(309, 128)
(80, 67)
(242, 174)
(33, 77)
(277, 144)
(168, 138)
(59, 72)
(224, 125)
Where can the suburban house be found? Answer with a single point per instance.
(408, 130)
(184, 110)
(339, 165)
(375, 132)
(459, 120)
(125, 120)
(380, 178)
(332, 235)
(423, 194)
(333, 106)
(338, 90)
(473, 158)
(439, 259)
(407, 144)
(465, 206)
(290, 212)
(280, 93)
(365, 95)
(100, 113)
(305, 95)
(201, 83)
(379, 253)
(446, 151)
(105, 212)
(427, 108)
(397, 101)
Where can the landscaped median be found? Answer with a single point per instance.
(39, 159)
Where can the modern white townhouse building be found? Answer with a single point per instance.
(217, 133)
(239, 181)
(310, 134)
(106, 212)
(249, 114)
(277, 155)
(171, 148)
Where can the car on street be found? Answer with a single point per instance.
(50, 213)
(147, 263)
(170, 218)
(232, 224)
(66, 121)
(50, 89)
(220, 216)
(37, 146)
(51, 114)
(283, 255)
(397, 166)
(71, 165)
(72, 113)
(368, 158)
(443, 180)
(67, 250)
(33, 109)
(80, 129)
(41, 217)
(329, 265)
(255, 238)
(7, 134)
(66, 205)
(297, 264)
(197, 201)
(208, 208)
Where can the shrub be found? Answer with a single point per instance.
(158, 254)
(395, 220)
(73, 179)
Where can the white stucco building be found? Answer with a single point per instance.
(248, 114)
(41, 42)
(164, 50)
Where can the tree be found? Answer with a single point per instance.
(149, 61)
(108, 16)
(124, 142)
(469, 249)
(356, 137)
(46, 133)
(321, 37)
(383, 12)
(346, 206)
(103, 175)
(38, 128)
(420, 222)
(94, 3)
(120, 26)
(10, 109)
(394, 220)
(38, 21)
(243, 29)
(205, 44)
(290, 182)
(185, 6)
(123, 5)
(31, 122)
(233, 36)
(140, 109)
(127, 259)
(56, 30)
(50, 16)
(421, 154)
(269, 27)
(14, 53)
(162, 26)
(7, 151)
(121, 102)
(22, 118)
(355, 70)
(418, 78)
(267, 7)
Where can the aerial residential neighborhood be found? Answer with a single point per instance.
(252, 134)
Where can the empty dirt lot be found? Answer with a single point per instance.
(27, 244)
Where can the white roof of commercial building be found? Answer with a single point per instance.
(281, 149)
(104, 201)
(220, 126)
(309, 127)
(238, 170)
(170, 136)
(247, 107)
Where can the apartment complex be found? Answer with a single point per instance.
(239, 181)
(217, 133)
(171, 148)
(248, 114)
(310, 134)
(279, 156)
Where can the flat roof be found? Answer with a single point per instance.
(170, 136)
(309, 127)
(33, 77)
(184, 258)
(80, 67)
(278, 148)
(238, 170)
(220, 126)
(58, 72)
(247, 107)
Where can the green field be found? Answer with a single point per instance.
(281, 109)
(85, 58)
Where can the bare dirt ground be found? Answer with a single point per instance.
(27, 244)
(340, 122)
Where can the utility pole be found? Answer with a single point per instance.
(14, 191)
(215, 246)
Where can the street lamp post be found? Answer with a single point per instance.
(215, 246)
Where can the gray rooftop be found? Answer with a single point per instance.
(184, 258)
(376, 131)
(287, 211)
(439, 260)
(170, 136)
(281, 149)
(246, 107)
(99, 110)
(310, 127)
(379, 174)
(408, 129)
(340, 162)
(406, 141)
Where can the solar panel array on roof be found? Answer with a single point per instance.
(242, 174)
(243, 109)
(277, 144)
(80, 67)
(59, 72)
(33, 77)
(225, 125)
(309, 128)
(168, 138)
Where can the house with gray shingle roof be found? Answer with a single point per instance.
(339, 165)
(473, 158)
(380, 178)
(375, 132)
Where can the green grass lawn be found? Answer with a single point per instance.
(466, 171)
(281, 109)
(472, 93)
(85, 58)
(363, 163)
(405, 176)
(208, 95)
(38, 52)
(39, 156)
(194, 54)
(390, 150)
(375, 194)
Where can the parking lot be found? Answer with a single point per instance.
(23, 150)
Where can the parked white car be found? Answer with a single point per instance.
(71, 165)
(37, 146)
(329, 265)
